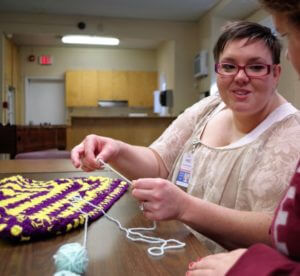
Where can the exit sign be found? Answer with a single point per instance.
(45, 60)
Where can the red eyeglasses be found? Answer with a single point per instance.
(251, 70)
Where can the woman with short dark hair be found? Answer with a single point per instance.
(234, 151)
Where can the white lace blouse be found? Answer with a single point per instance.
(250, 174)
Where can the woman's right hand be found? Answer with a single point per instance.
(92, 148)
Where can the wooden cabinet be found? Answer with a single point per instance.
(105, 85)
(141, 86)
(120, 85)
(81, 88)
(19, 139)
(86, 88)
(40, 138)
(113, 85)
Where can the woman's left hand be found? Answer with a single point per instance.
(161, 199)
(215, 265)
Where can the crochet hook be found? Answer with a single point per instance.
(115, 171)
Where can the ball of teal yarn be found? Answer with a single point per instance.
(71, 257)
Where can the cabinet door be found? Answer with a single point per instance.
(73, 87)
(141, 86)
(113, 85)
(89, 90)
(105, 85)
(81, 88)
(120, 85)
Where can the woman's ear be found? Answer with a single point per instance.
(277, 71)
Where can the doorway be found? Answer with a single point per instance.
(45, 101)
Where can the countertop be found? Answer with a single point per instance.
(115, 113)
(123, 117)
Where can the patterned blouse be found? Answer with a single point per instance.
(250, 174)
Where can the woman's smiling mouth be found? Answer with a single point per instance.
(241, 92)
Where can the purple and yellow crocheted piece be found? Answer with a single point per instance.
(31, 209)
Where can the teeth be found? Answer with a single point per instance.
(241, 92)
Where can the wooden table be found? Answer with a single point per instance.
(110, 252)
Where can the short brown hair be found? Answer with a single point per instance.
(291, 8)
(253, 32)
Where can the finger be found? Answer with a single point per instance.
(145, 183)
(75, 155)
(209, 262)
(146, 206)
(105, 152)
(100, 162)
(142, 195)
(149, 215)
(87, 165)
(141, 206)
(200, 272)
(90, 152)
(151, 212)
(86, 169)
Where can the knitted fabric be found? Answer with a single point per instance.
(31, 209)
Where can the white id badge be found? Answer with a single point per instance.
(185, 170)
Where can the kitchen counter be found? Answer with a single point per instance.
(133, 130)
(138, 126)
(112, 113)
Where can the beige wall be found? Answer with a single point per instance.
(204, 29)
(11, 76)
(209, 28)
(69, 58)
(289, 84)
(257, 16)
(166, 62)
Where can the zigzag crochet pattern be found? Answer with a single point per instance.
(31, 209)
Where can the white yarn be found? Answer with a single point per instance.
(133, 234)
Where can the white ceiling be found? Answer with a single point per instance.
(182, 10)
(174, 10)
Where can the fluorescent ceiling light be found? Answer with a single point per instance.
(90, 40)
